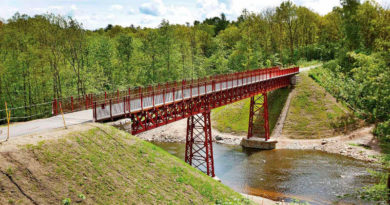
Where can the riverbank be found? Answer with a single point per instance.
(359, 144)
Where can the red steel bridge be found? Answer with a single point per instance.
(161, 104)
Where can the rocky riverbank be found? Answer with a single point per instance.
(176, 132)
(360, 144)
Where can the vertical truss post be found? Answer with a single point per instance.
(199, 147)
(259, 107)
(251, 113)
(266, 122)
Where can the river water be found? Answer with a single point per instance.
(307, 175)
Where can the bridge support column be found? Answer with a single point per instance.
(199, 147)
(258, 129)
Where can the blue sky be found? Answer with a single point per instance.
(149, 13)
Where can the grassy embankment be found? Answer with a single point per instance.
(313, 113)
(103, 165)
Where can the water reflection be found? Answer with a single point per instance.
(308, 175)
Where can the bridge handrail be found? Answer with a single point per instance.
(72, 104)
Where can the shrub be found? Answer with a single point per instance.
(382, 130)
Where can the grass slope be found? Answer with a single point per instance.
(234, 117)
(103, 165)
(314, 113)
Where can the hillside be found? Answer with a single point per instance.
(98, 164)
(314, 113)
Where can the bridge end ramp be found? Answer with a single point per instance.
(259, 143)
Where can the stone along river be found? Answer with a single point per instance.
(305, 175)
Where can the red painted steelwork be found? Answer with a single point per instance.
(259, 107)
(147, 119)
(199, 147)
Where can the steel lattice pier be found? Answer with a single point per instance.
(199, 147)
(259, 107)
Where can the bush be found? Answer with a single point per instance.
(332, 65)
(382, 130)
(362, 81)
(377, 192)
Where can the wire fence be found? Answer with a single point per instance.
(26, 113)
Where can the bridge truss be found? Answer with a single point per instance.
(159, 105)
(259, 107)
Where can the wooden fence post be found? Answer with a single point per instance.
(8, 119)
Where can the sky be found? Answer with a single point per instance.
(94, 14)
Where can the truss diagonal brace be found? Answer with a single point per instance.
(199, 147)
(259, 108)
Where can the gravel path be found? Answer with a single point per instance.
(34, 126)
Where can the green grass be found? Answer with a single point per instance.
(313, 113)
(359, 145)
(234, 118)
(106, 166)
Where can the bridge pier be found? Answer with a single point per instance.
(258, 136)
(199, 147)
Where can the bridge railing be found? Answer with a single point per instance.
(168, 92)
(139, 99)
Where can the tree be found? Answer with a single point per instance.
(230, 36)
(125, 47)
(149, 50)
(287, 15)
(109, 27)
(219, 23)
(167, 46)
(368, 14)
(350, 23)
(74, 51)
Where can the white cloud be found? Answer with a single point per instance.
(152, 13)
(180, 15)
(320, 6)
(130, 11)
(73, 7)
(116, 7)
(7, 11)
(211, 8)
(154, 8)
(236, 6)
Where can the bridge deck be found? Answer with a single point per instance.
(157, 97)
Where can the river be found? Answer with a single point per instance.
(307, 175)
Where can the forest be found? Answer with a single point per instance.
(47, 56)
